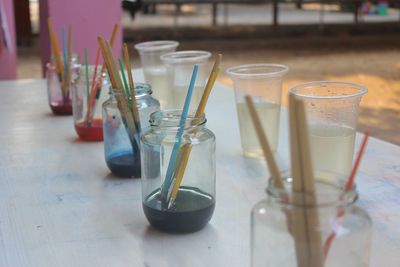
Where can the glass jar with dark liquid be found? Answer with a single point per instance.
(121, 150)
(192, 205)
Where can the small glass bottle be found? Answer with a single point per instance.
(121, 158)
(340, 230)
(87, 100)
(59, 97)
(195, 200)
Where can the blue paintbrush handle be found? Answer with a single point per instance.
(172, 161)
(64, 46)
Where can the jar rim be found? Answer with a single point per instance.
(327, 194)
(336, 89)
(141, 90)
(170, 119)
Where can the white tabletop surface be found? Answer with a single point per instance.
(60, 206)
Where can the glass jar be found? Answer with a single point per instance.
(194, 202)
(339, 230)
(86, 102)
(122, 157)
(59, 98)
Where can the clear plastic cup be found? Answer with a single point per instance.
(332, 113)
(264, 83)
(154, 70)
(179, 72)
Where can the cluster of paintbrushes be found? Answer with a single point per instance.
(123, 92)
(93, 91)
(303, 220)
(62, 62)
(62, 65)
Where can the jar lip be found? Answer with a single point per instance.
(91, 68)
(261, 70)
(188, 56)
(153, 46)
(327, 194)
(336, 88)
(141, 90)
(170, 119)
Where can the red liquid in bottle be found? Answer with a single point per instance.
(92, 132)
(61, 107)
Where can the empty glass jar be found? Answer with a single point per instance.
(59, 94)
(293, 229)
(121, 154)
(191, 206)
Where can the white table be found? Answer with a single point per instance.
(59, 205)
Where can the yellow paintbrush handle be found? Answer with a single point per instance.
(56, 50)
(184, 155)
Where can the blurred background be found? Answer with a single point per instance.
(345, 40)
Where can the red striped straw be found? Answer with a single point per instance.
(347, 188)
